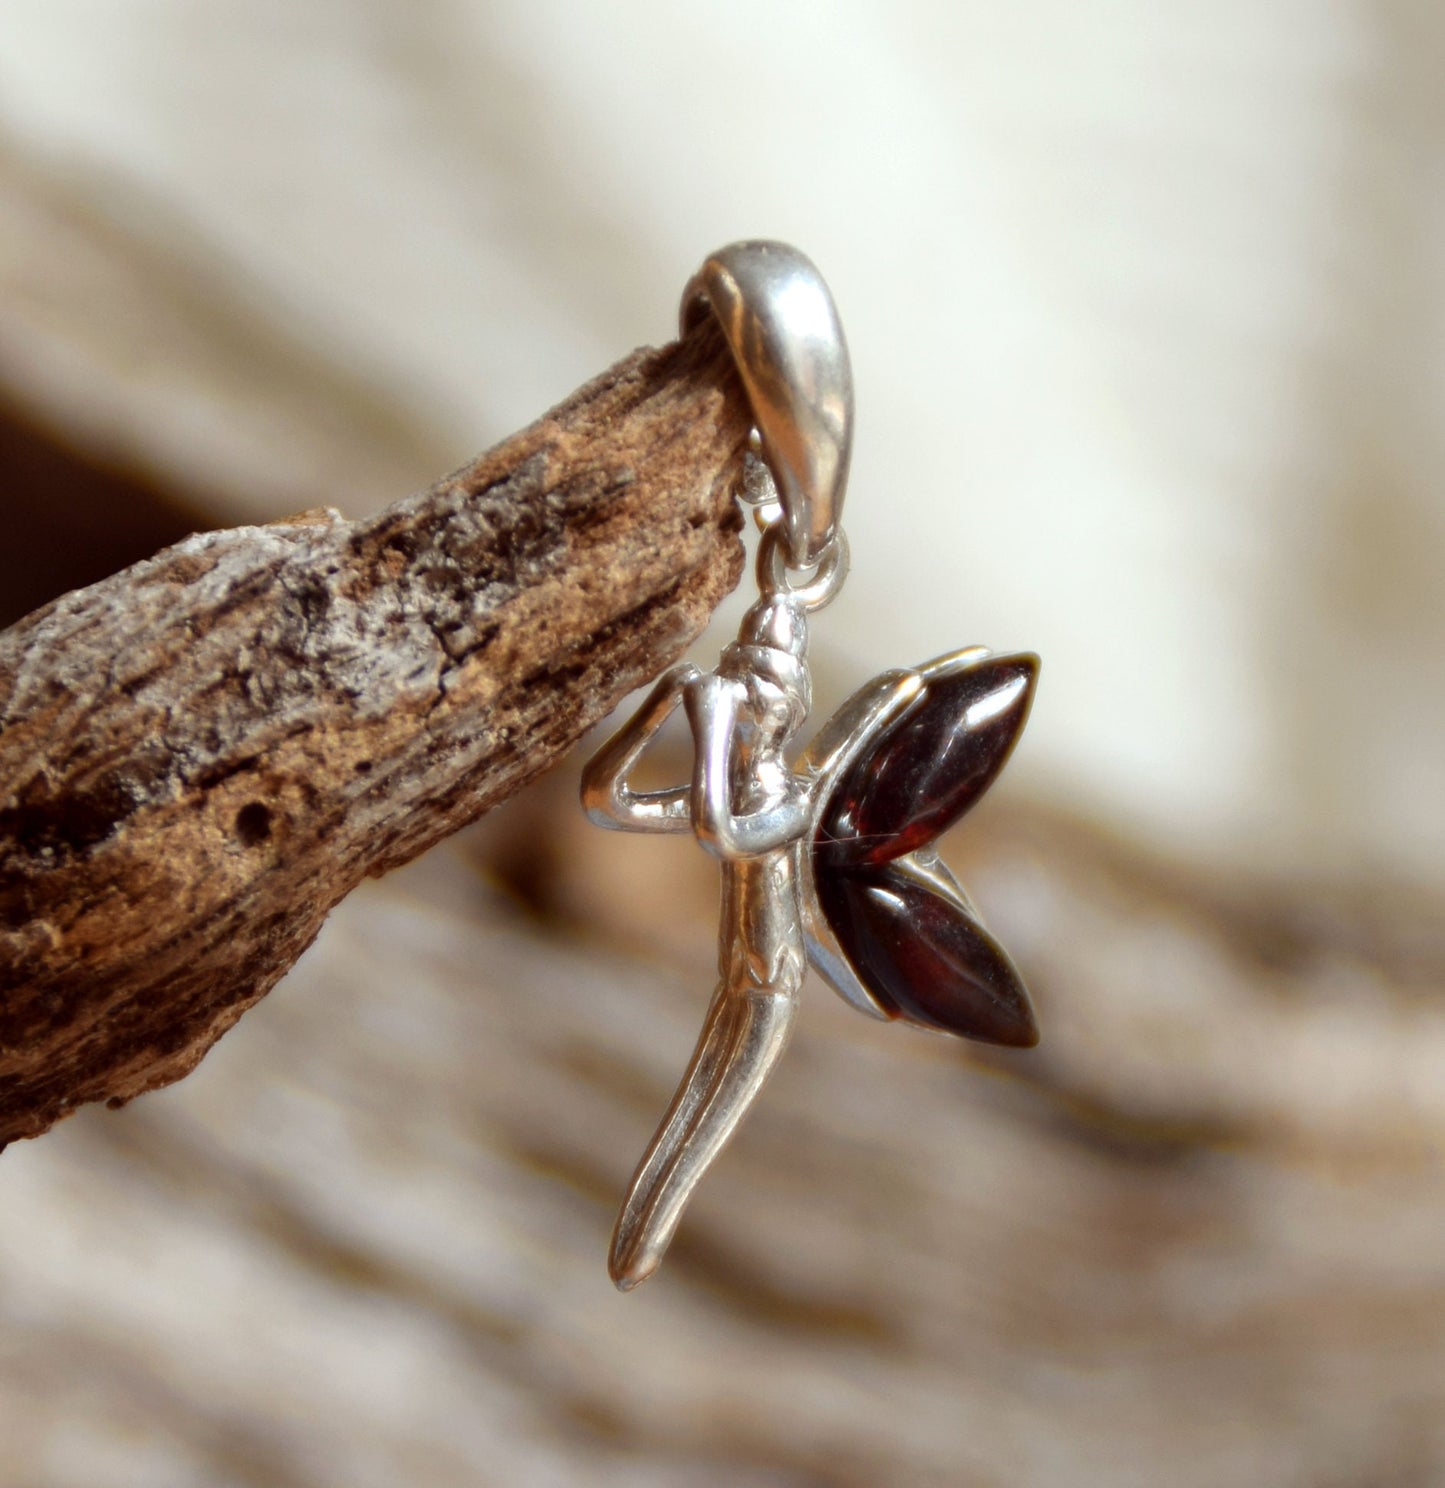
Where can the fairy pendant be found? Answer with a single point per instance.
(830, 861)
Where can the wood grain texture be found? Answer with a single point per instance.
(202, 754)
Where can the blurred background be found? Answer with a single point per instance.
(1147, 312)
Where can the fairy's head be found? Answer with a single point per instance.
(768, 656)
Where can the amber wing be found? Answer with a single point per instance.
(905, 928)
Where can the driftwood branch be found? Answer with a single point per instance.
(201, 755)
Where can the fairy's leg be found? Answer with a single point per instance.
(692, 1093)
(746, 1032)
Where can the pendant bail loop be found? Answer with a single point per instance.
(782, 329)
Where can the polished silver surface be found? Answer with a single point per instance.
(813, 594)
(784, 334)
(759, 816)
(751, 811)
(606, 797)
(745, 804)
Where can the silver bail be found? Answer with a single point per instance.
(782, 328)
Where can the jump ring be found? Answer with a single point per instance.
(773, 571)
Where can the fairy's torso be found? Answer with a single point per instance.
(760, 895)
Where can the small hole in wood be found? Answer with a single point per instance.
(253, 824)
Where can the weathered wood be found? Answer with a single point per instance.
(201, 755)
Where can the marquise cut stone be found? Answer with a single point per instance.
(925, 958)
(932, 764)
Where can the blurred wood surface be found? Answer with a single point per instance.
(1192, 1239)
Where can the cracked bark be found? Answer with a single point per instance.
(201, 755)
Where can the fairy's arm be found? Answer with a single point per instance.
(713, 704)
(606, 796)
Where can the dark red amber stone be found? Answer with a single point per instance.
(930, 765)
(924, 958)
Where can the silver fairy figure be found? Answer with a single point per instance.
(830, 861)
(747, 807)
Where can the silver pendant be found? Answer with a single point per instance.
(829, 861)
